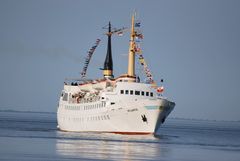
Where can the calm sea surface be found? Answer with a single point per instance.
(34, 136)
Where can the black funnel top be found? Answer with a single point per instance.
(108, 64)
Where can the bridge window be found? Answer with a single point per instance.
(142, 93)
(147, 93)
(137, 92)
(126, 91)
(131, 92)
(121, 91)
(151, 94)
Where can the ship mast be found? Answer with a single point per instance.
(131, 55)
(108, 64)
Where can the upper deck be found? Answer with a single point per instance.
(121, 88)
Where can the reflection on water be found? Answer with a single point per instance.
(108, 146)
(33, 136)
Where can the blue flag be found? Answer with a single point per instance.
(137, 24)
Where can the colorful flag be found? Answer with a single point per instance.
(137, 24)
(89, 55)
(139, 36)
(120, 33)
(145, 68)
(160, 89)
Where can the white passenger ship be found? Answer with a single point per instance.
(122, 105)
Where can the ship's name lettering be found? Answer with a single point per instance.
(132, 110)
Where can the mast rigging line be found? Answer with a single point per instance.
(88, 58)
(136, 47)
(93, 48)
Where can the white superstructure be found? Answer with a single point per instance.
(118, 105)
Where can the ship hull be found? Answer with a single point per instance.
(129, 117)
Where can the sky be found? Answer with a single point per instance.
(193, 45)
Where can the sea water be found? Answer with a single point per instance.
(34, 136)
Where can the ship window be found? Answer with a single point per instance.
(131, 92)
(151, 94)
(147, 93)
(137, 92)
(142, 93)
(121, 92)
(126, 91)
